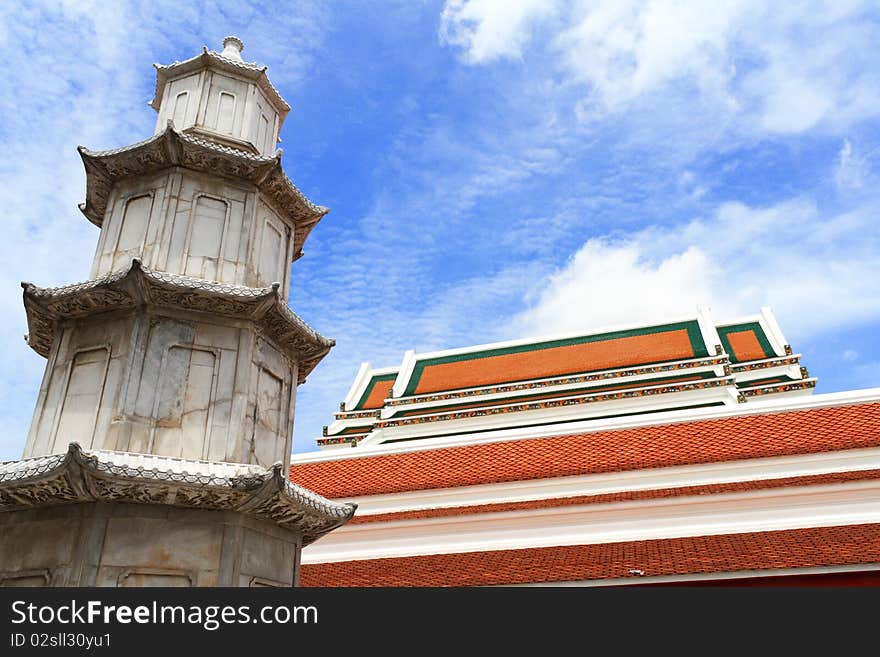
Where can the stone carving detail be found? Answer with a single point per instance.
(41, 332)
(211, 498)
(138, 284)
(280, 513)
(96, 300)
(204, 160)
(110, 490)
(196, 301)
(54, 489)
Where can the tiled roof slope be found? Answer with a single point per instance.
(535, 360)
(745, 342)
(377, 390)
(796, 548)
(702, 441)
(625, 496)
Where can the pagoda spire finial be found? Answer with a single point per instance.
(232, 47)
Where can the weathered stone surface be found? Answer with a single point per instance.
(196, 224)
(126, 478)
(156, 382)
(98, 544)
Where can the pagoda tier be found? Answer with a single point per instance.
(136, 286)
(219, 95)
(111, 476)
(160, 363)
(110, 518)
(114, 177)
(685, 364)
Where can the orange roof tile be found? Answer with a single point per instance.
(702, 441)
(745, 341)
(378, 391)
(794, 548)
(625, 496)
(745, 345)
(555, 361)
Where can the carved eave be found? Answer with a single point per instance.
(172, 148)
(138, 286)
(80, 476)
(211, 59)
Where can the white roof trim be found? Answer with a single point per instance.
(360, 381)
(774, 332)
(753, 407)
(712, 577)
(603, 483)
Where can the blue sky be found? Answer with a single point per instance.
(494, 169)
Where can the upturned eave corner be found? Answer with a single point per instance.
(171, 148)
(82, 476)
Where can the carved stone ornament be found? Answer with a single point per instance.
(109, 476)
(173, 148)
(137, 285)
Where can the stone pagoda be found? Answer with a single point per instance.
(160, 445)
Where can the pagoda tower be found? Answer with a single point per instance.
(160, 444)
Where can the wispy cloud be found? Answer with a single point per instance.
(777, 68)
(487, 30)
(852, 168)
(818, 271)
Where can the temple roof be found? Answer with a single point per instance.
(725, 553)
(536, 359)
(136, 285)
(102, 475)
(747, 434)
(687, 363)
(746, 341)
(173, 148)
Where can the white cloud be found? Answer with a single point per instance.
(793, 105)
(607, 283)
(818, 272)
(779, 69)
(851, 169)
(626, 49)
(491, 29)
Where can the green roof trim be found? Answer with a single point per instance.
(370, 386)
(542, 424)
(349, 430)
(764, 382)
(692, 327)
(537, 395)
